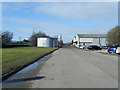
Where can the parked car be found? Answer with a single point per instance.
(118, 50)
(94, 47)
(104, 47)
(113, 48)
(83, 47)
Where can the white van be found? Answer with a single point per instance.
(118, 50)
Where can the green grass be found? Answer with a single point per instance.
(13, 58)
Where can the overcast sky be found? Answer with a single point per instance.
(60, 18)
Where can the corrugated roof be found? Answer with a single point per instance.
(92, 35)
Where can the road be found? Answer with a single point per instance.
(69, 68)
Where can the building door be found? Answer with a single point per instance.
(84, 43)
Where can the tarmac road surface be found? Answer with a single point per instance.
(69, 68)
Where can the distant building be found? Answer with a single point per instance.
(89, 39)
(59, 38)
(47, 42)
(26, 42)
(60, 41)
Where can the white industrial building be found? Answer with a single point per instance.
(89, 39)
(47, 42)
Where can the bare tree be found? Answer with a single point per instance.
(60, 43)
(6, 37)
(34, 36)
(113, 36)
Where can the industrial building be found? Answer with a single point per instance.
(89, 39)
(47, 42)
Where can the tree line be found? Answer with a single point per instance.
(7, 36)
(113, 37)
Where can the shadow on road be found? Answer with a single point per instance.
(25, 79)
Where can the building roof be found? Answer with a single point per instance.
(44, 37)
(47, 37)
(92, 35)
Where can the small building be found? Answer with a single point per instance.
(89, 39)
(26, 42)
(47, 42)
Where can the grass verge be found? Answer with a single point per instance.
(13, 58)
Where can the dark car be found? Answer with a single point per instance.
(104, 47)
(94, 47)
